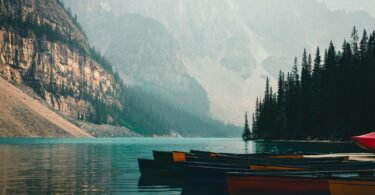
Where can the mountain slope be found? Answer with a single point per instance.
(44, 50)
(149, 57)
(42, 47)
(230, 46)
(22, 116)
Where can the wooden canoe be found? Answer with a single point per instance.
(206, 174)
(345, 165)
(207, 154)
(174, 169)
(259, 155)
(267, 162)
(182, 156)
(177, 156)
(213, 154)
(151, 181)
(352, 186)
(155, 167)
(270, 185)
(298, 182)
(148, 167)
(285, 158)
(170, 156)
(158, 168)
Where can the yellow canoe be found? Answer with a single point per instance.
(351, 187)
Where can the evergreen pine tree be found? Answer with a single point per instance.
(306, 93)
(355, 39)
(316, 95)
(280, 101)
(254, 126)
(246, 136)
(363, 45)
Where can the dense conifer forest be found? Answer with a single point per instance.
(332, 97)
(150, 115)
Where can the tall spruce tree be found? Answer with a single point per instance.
(354, 42)
(246, 135)
(306, 93)
(316, 101)
(281, 115)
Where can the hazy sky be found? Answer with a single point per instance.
(351, 5)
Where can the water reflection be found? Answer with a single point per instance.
(178, 183)
(109, 166)
(246, 147)
(87, 166)
(249, 147)
(54, 169)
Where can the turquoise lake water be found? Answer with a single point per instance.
(109, 166)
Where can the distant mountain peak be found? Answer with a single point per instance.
(230, 46)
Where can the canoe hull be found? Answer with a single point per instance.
(157, 168)
(269, 185)
(162, 168)
(366, 142)
(208, 175)
(349, 187)
(279, 159)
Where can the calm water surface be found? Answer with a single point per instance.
(109, 166)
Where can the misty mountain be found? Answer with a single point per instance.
(351, 6)
(229, 47)
(148, 56)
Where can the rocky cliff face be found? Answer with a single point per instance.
(41, 47)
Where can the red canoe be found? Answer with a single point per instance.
(366, 141)
(270, 185)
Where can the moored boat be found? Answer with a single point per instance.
(217, 175)
(366, 141)
(150, 167)
(165, 163)
(298, 182)
(352, 185)
(174, 169)
(158, 168)
(271, 184)
(174, 156)
(259, 155)
(205, 175)
(307, 175)
(281, 159)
